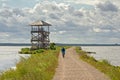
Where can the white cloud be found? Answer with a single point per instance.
(100, 30)
(62, 32)
(89, 2)
(107, 6)
(3, 34)
(96, 29)
(68, 23)
(92, 2)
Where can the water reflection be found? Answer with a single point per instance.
(111, 53)
(9, 56)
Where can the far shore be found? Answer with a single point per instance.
(59, 44)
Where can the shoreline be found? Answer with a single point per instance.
(58, 44)
(102, 65)
(9, 57)
(94, 62)
(37, 66)
(110, 53)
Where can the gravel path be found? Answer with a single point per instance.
(72, 68)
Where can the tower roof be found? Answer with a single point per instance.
(40, 23)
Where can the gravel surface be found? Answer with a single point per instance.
(72, 68)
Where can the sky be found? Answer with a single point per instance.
(73, 21)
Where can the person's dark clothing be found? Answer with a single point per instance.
(63, 52)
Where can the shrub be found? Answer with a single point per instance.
(28, 51)
(24, 51)
(39, 51)
(52, 46)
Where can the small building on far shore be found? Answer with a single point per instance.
(40, 35)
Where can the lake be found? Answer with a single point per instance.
(9, 56)
(110, 53)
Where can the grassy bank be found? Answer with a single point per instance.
(40, 66)
(103, 65)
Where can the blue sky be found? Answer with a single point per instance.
(19, 3)
(74, 21)
(31, 3)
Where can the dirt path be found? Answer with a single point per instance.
(72, 68)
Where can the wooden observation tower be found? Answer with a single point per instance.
(40, 35)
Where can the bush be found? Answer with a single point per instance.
(52, 46)
(28, 51)
(39, 51)
(24, 51)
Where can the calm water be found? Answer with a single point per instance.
(9, 56)
(110, 53)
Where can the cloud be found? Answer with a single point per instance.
(88, 2)
(4, 34)
(100, 30)
(62, 32)
(69, 24)
(107, 6)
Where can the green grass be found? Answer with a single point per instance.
(37, 67)
(29, 51)
(103, 65)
